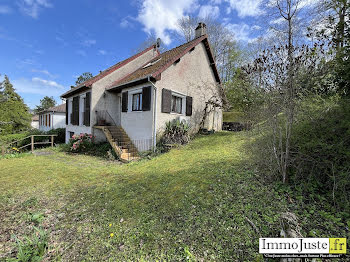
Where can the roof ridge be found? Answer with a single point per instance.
(109, 70)
(115, 65)
(199, 39)
(57, 108)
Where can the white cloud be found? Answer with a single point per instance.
(89, 42)
(277, 21)
(25, 63)
(241, 32)
(44, 72)
(81, 52)
(33, 7)
(46, 82)
(127, 22)
(209, 11)
(102, 52)
(159, 16)
(4, 9)
(308, 3)
(245, 7)
(256, 27)
(39, 86)
(61, 40)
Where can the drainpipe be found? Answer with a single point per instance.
(154, 115)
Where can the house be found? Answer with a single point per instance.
(35, 122)
(130, 103)
(52, 118)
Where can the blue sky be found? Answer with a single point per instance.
(46, 44)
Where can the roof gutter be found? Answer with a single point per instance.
(154, 135)
(74, 91)
(131, 83)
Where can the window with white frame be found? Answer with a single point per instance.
(137, 102)
(176, 104)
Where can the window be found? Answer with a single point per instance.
(83, 113)
(71, 134)
(137, 102)
(176, 104)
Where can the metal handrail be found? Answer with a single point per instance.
(104, 115)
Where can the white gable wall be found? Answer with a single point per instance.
(191, 76)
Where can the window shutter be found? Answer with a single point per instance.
(87, 109)
(146, 98)
(66, 112)
(166, 100)
(125, 101)
(189, 105)
(75, 110)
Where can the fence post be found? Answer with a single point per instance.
(32, 142)
(52, 141)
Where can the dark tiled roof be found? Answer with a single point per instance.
(160, 63)
(59, 109)
(157, 65)
(109, 70)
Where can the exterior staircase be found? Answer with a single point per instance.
(120, 142)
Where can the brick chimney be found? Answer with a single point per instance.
(200, 30)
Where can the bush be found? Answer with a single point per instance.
(321, 146)
(103, 150)
(176, 133)
(61, 135)
(81, 143)
(60, 132)
(320, 151)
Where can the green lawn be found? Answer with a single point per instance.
(190, 204)
(233, 116)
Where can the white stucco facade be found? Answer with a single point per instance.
(35, 124)
(102, 101)
(191, 76)
(54, 120)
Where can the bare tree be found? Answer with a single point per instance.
(276, 71)
(331, 22)
(221, 41)
(150, 40)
